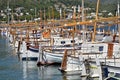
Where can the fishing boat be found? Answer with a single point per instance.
(55, 53)
(107, 53)
(72, 65)
(29, 50)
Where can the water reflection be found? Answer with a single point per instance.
(12, 69)
(41, 72)
(32, 72)
(49, 73)
(29, 70)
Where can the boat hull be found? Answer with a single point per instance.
(29, 56)
(53, 57)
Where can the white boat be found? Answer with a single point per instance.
(29, 50)
(108, 53)
(28, 53)
(55, 53)
(79, 66)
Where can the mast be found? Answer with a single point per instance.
(73, 38)
(60, 13)
(118, 13)
(83, 19)
(27, 35)
(74, 12)
(8, 21)
(35, 12)
(44, 16)
(64, 14)
(49, 13)
(8, 11)
(64, 62)
(52, 13)
(94, 33)
(78, 12)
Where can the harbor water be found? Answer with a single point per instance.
(13, 69)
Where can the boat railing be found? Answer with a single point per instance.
(90, 49)
(114, 58)
(90, 54)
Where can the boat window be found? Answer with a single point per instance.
(72, 41)
(62, 42)
(100, 48)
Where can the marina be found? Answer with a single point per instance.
(13, 69)
(78, 48)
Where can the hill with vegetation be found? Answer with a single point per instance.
(47, 3)
(33, 7)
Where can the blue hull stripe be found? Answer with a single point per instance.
(34, 50)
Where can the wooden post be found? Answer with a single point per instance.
(64, 61)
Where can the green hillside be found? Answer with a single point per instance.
(47, 3)
(33, 7)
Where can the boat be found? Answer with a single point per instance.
(55, 53)
(72, 65)
(107, 53)
(28, 52)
